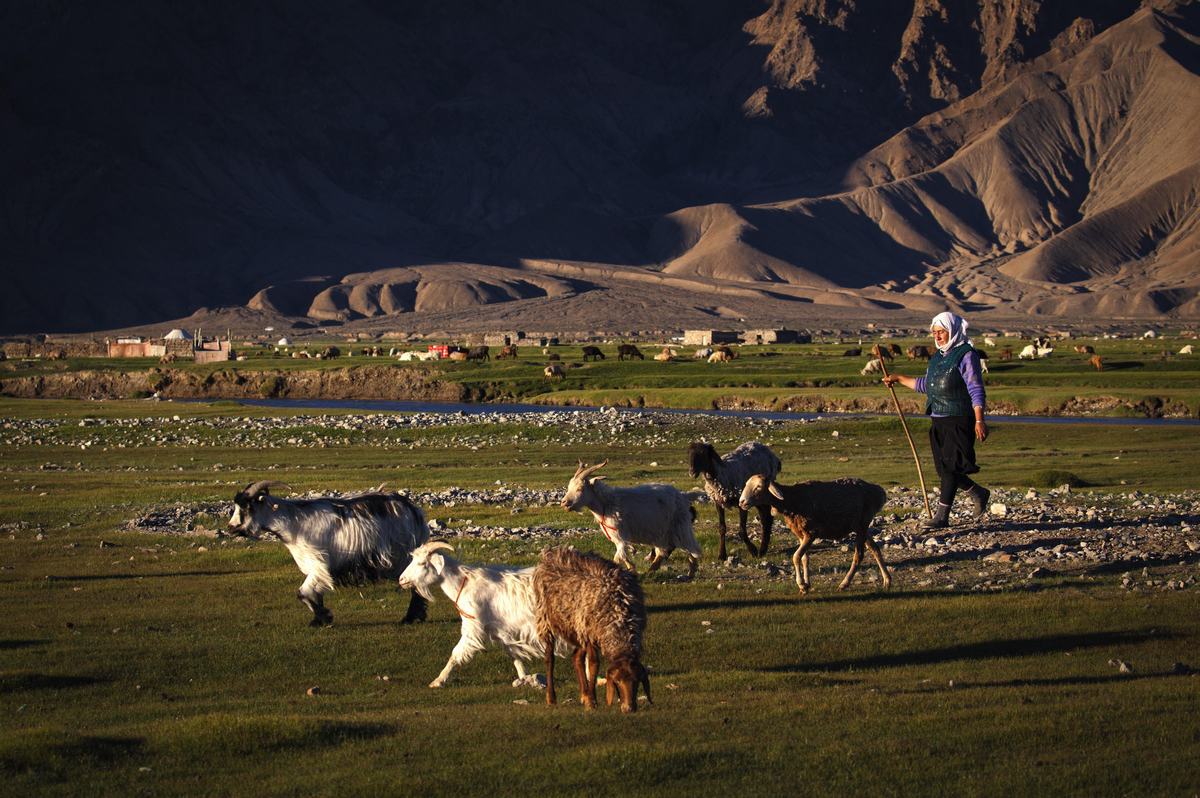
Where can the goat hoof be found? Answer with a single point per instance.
(436, 683)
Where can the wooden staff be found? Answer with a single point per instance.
(904, 424)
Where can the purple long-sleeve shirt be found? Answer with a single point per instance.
(972, 375)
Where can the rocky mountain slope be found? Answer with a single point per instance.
(466, 163)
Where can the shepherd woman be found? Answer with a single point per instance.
(955, 400)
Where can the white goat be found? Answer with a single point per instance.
(874, 366)
(1187, 349)
(336, 541)
(658, 515)
(495, 602)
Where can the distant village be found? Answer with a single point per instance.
(181, 345)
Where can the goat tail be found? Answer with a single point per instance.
(644, 678)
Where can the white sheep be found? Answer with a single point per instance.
(720, 356)
(658, 515)
(703, 353)
(1187, 350)
(495, 602)
(874, 366)
(988, 341)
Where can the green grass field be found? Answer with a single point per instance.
(137, 663)
(1136, 380)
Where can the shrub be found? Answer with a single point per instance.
(1053, 477)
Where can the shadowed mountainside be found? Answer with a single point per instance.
(367, 160)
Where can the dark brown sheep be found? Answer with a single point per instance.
(827, 510)
(598, 607)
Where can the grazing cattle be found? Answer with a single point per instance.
(592, 353)
(723, 348)
(554, 371)
(458, 355)
(479, 353)
(920, 351)
(703, 353)
(629, 351)
(1097, 362)
(719, 357)
(507, 352)
(330, 352)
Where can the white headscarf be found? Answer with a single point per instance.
(953, 324)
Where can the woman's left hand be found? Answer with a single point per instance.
(981, 430)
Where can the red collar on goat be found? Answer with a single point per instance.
(461, 585)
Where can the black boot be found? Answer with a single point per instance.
(940, 520)
(979, 496)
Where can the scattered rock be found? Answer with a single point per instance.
(1121, 665)
(998, 510)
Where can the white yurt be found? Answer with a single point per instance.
(177, 335)
(284, 341)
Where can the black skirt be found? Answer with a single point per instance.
(953, 441)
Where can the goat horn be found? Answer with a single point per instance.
(438, 545)
(254, 488)
(584, 473)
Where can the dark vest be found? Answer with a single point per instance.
(945, 389)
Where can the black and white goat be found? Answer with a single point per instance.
(336, 541)
(495, 602)
(724, 478)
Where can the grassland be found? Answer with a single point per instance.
(1137, 379)
(134, 663)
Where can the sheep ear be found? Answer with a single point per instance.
(774, 490)
(438, 562)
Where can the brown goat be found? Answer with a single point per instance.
(1006, 354)
(1084, 349)
(827, 510)
(1097, 362)
(598, 607)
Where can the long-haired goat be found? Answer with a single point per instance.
(598, 608)
(659, 515)
(826, 510)
(336, 541)
(724, 478)
(495, 602)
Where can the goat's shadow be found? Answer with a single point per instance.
(987, 649)
(17, 682)
(103, 577)
(13, 645)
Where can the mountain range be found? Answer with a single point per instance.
(464, 164)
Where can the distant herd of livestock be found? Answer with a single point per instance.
(554, 370)
(570, 603)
